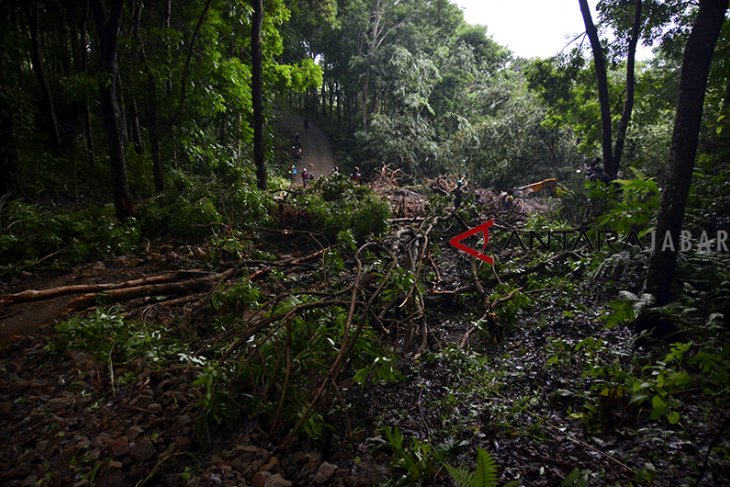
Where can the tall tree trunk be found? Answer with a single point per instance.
(31, 11)
(108, 33)
(599, 61)
(323, 93)
(339, 105)
(135, 129)
(189, 57)
(88, 132)
(155, 135)
(685, 138)
(623, 124)
(153, 116)
(257, 92)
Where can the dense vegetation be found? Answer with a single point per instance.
(261, 330)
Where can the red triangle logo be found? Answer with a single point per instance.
(483, 228)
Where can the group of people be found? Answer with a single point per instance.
(306, 175)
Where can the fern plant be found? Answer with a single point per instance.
(485, 474)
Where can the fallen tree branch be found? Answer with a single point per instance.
(540, 265)
(162, 289)
(55, 292)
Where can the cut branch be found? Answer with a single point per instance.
(55, 292)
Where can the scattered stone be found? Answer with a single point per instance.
(94, 454)
(6, 408)
(83, 443)
(277, 480)
(119, 446)
(143, 450)
(324, 473)
(58, 404)
(182, 442)
(155, 407)
(142, 402)
(273, 462)
(260, 478)
(373, 473)
(301, 457)
(184, 420)
(133, 432)
(102, 439)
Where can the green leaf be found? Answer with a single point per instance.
(638, 398)
(659, 407)
(673, 417)
(486, 473)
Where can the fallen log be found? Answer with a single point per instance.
(162, 289)
(55, 292)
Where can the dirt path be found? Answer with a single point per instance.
(318, 156)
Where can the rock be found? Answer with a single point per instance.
(277, 480)
(249, 448)
(119, 446)
(58, 404)
(133, 432)
(143, 450)
(6, 408)
(83, 443)
(183, 420)
(155, 407)
(301, 457)
(373, 474)
(22, 470)
(142, 402)
(182, 442)
(102, 440)
(324, 473)
(259, 478)
(273, 462)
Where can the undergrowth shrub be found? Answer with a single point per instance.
(34, 232)
(334, 205)
(247, 206)
(108, 337)
(178, 217)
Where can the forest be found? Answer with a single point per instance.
(359, 242)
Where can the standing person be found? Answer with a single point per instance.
(297, 142)
(356, 176)
(306, 177)
(306, 124)
(292, 171)
(298, 153)
(507, 200)
(458, 193)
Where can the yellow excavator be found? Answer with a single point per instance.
(550, 184)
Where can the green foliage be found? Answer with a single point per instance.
(246, 205)
(180, 217)
(485, 475)
(635, 210)
(34, 232)
(215, 400)
(107, 335)
(512, 303)
(576, 478)
(665, 379)
(418, 458)
(381, 371)
(275, 373)
(336, 204)
(238, 297)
